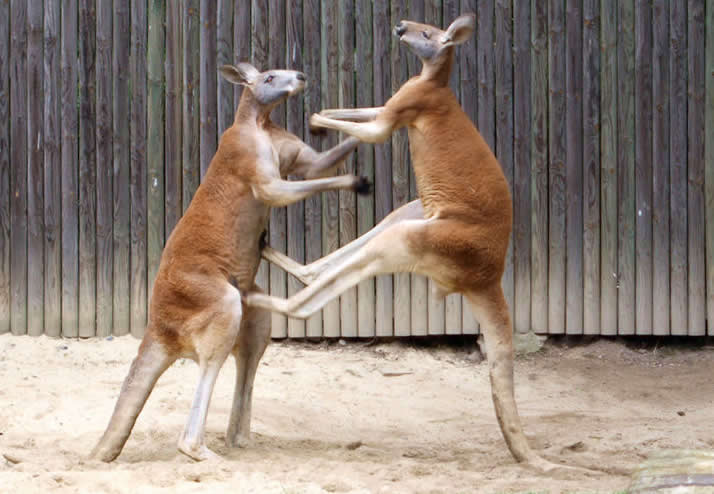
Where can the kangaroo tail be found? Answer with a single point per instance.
(151, 361)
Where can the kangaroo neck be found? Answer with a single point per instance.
(439, 70)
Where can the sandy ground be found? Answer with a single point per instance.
(352, 418)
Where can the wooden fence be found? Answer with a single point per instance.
(600, 111)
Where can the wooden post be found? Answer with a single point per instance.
(225, 55)
(5, 166)
(52, 171)
(173, 170)
(138, 176)
(208, 83)
(709, 163)
(191, 116)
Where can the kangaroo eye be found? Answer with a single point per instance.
(269, 79)
(426, 34)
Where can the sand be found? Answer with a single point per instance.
(352, 418)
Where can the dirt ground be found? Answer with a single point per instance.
(392, 417)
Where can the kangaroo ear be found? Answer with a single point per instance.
(244, 73)
(460, 30)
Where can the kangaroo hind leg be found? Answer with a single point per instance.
(151, 361)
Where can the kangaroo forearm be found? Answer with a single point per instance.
(332, 157)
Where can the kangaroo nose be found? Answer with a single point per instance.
(300, 76)
(400, 29)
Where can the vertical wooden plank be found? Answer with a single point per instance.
(122, 163)
(138, 182)
(208, 83)
(574, 167)
(539, 166)
(660, 166)
(224, 55)
(591, 166)
(104, 161)
(404, 325)
(155, 210)
(695, 169)
(278, 216)
(35, 170)
(709, 163)
(556, 172)
(626, 167)
(5, 166)
(312, 102)
(436, 306)
(679, 296)
(469, 102)
(643, 167)
(18, 172)
(173, 168)
(365, 157)
(69, 168)
(608, 168)
(52, 170)
(191, 113)
(87, 169)
(522, 167)
(382, 31)
(295, 122)
(347, 200)
(504, 120)
(259, 58)
(330, 200)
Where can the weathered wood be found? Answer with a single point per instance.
(436, 306)
(87, 169)
(225, 112)
(660, 167)
(155, 210)
(104, 162)
(5, 166)
(52, 172)
(678, 167)
(364, 92)
(522, 169)
(556, 171)
(295, 124)
(313, 95)
(468, 56)
(626, 167)
(643, 167)
(208, 84)
(191, 157)
(403, 305)
(591, 167)
(539, 166)
(709, 163)
(173, 125)
(381, 29)
(278, 216)
(330, 99)
(69, 169)
(122, 162)
(138, 175)
(347, 200)
(18, 173)
(574, 168)
(504, 121)
(608, 168)
(35, 171)
(259, 58)
(695, 169)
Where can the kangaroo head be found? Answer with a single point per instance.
(430, 43)
(270, 87)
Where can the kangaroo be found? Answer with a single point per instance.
(458, 231)
(212, 256)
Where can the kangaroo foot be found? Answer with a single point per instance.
(198, 452)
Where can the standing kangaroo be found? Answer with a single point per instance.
(212, 256)
(458, 231)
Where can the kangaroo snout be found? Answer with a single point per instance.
(400, 28)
